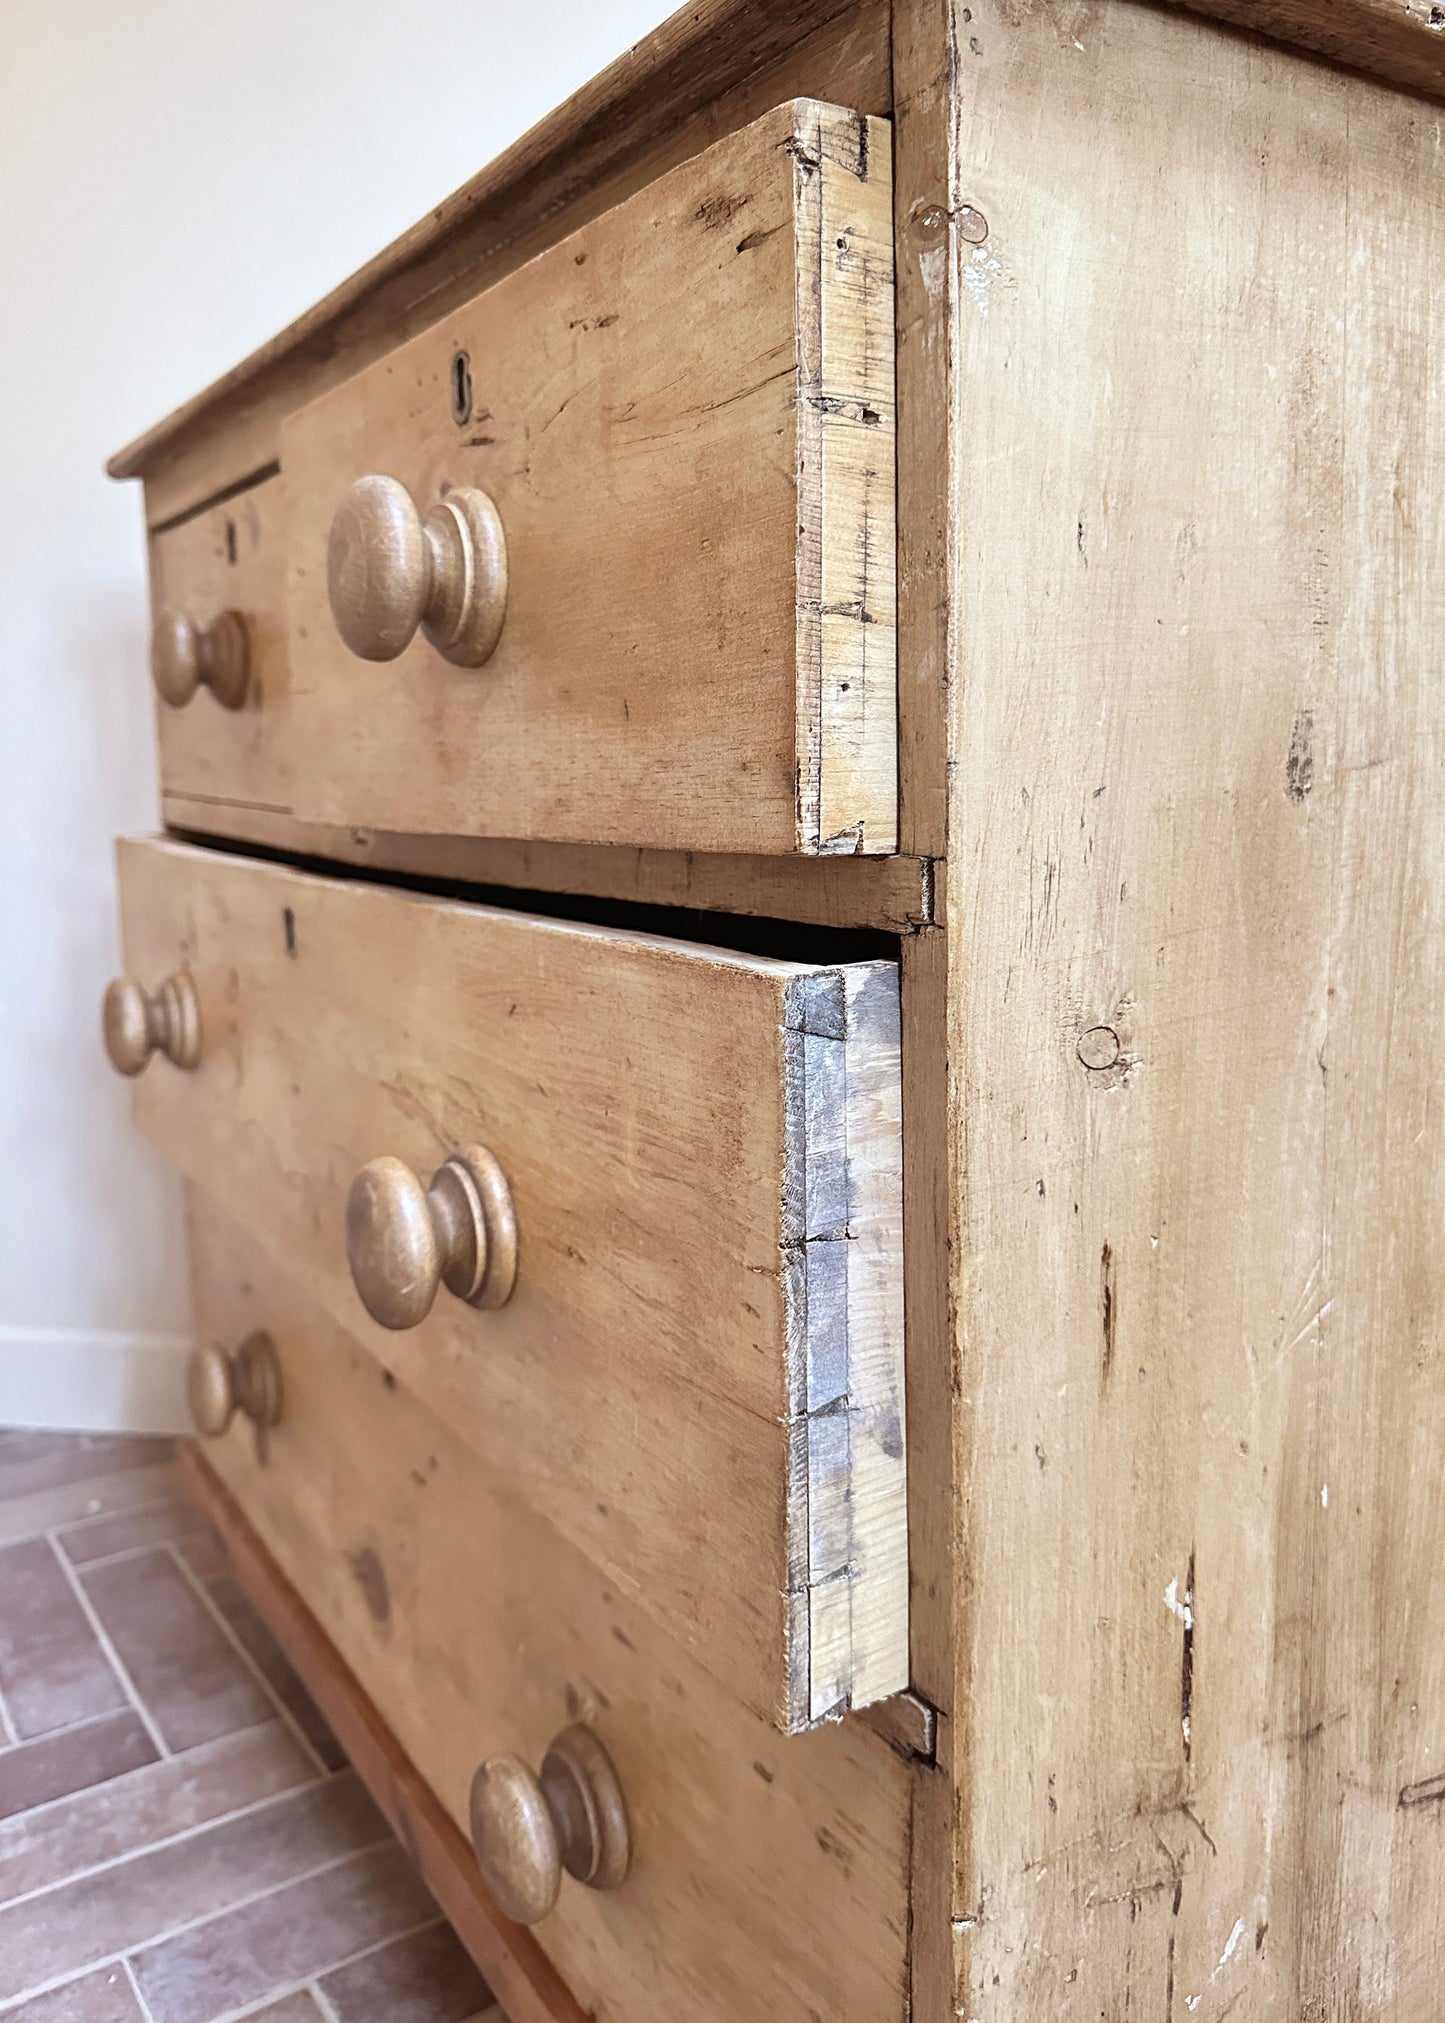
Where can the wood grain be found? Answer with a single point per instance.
(472, 1628)
(643, 1097)
(897, 894)
(684, 414)
(706, 71)
(847, 662)
(1194, 920)
(929, 50)
(229, 557)
(1399, 41)
(927, 207)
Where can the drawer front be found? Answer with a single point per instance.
(768, 1874)
(683, 415)
(698, 1375)
(229, 558)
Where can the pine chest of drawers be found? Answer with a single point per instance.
(790, 967)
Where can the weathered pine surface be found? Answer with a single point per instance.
(684, 415)
(771, 1871)
(1196, 916)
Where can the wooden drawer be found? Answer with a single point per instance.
(228, 558)
(683, 414)
(769, 1873)
(699, 1374)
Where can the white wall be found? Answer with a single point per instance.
(177, 180)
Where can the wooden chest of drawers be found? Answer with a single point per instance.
(792, 973)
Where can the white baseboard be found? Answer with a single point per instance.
(93, 1382)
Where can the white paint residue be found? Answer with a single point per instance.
(1325, 1496)
(1192, 2002)
(1231, 1945)
(979, 274)
(933, 267)
(1181, 1606)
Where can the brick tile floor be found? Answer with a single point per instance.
(181, 1837)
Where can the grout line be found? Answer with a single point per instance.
(91, 1520)
(212, 1609)
(141, 2002)
(7, 1726)
(123, 1678)
(47, 1527)
(126, 1552)
(77, 1968)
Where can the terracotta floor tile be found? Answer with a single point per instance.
(31, 1461)
(424, 1978)
(99, 1537)
(131, 1904)
(45, 1509)
(271, 1661)
(103, 1997)
(53, 1671)
(294, 1933)
(192, 1681)
(227, 1871)
(40, 1849)
(34, 1773)
(204, 1553)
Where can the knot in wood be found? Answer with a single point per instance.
(1098, 1048)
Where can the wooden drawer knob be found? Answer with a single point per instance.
(186, 656)
(405, 1240)
(139, 1022)
(526, 1829)
(388, 571)
(220, 1385)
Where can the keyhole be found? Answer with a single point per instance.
(461, 389)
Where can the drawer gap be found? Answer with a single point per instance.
(232, 491)
(746, 934)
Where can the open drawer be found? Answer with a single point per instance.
(678, 1332)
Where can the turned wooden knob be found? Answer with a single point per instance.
(186, 656)
(389, 571)
(139, 1022)
(220, 1385)
(527, 1828)
(405, 1240)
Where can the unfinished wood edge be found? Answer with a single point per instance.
(846, 1493)
(846, 647)
(878, 1491)
(516, 1969)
